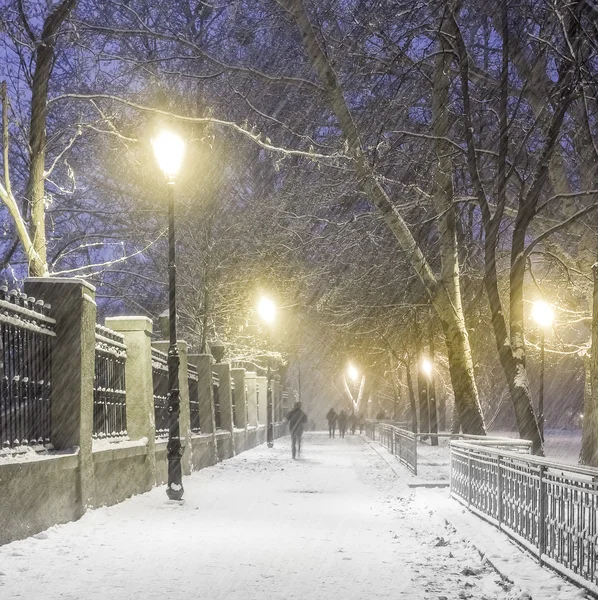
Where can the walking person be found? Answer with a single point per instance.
(331, 417)
(296, 418)
(361, 421)
(353, 422)
(342, 423)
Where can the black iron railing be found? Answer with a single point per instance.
(193, 380)
(26, 334)
(109, 392)
(549, 508)
(160, 381)
(216, 395)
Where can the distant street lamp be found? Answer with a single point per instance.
(352, 372)
(428, 369)
(267, 311)
(169, 150)
(543, 314)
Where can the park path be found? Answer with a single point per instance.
(341, 522)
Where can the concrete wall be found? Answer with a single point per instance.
(38, 491)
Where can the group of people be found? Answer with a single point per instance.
(344, 420)
(297, 419)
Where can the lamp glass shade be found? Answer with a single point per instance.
(352, 373)
(266, 310)
(426, 366)
(169, 150)
(543, 313)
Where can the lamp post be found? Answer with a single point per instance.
(169, 150)
(543, 314)
(267, 311)
(428, 369)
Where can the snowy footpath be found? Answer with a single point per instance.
(342, 522)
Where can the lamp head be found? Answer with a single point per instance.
(169, 150)
(543, 313)
(266, 310)
(426, 367)
(352, 372)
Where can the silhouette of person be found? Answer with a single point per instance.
(342, 423)
(331, 416)
(296, 418)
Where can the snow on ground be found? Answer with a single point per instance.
(341, 522)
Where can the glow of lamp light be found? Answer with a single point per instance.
(426, 366)
(352, 372)
(543, 313)
(169, 150)
(266, 310)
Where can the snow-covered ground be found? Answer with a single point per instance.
(340, 523)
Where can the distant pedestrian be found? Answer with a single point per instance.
(296, 418)
(361, 421)
(353, 422)
(331, 417)
(342, 423)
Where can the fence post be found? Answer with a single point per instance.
(185, 415)
(468, 480)
(226, 406)
(415, 454)
(541, 513)
(203, 363)
(498, 492)
(250, 379)
(73, 370)
(238, 376)
(139, 385)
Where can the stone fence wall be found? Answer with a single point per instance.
(80, 471)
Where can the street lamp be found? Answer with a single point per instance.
(543, 314)
(169, 150)
(428, 369)
(266, 309)
(352, 372)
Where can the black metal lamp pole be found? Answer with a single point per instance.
(541, 399)
(174, 489)
(269, 410)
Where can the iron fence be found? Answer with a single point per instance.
(26, 334)
(399, 442)
(233, 400)
(193, 381)
(549, 508)
(109, 392)
(160, 382)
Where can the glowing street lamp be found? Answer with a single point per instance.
(266, 309)
(169, 150)
(543, 314)
(352, 372)
(428, 368)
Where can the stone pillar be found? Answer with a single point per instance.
(73, 370)
(185, 415)
(137, 332)
(238, 375)
(262, 389)
(203, 362)
(226, 407)
(251, 398)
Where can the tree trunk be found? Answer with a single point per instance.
(589, 441)
(444, 294)
(432, 389)
(35, 191)
(412, 407)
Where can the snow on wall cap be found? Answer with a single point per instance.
(70, 280)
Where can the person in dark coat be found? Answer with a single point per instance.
(342, 423)
(353, 422)
(331, 417)
(361, 421)
(296, 418)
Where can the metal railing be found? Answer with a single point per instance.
(397, 440)
(26, 334)
(549, 508)
(109, 392)
(193, 381)
(160, 381)
(233, 400)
